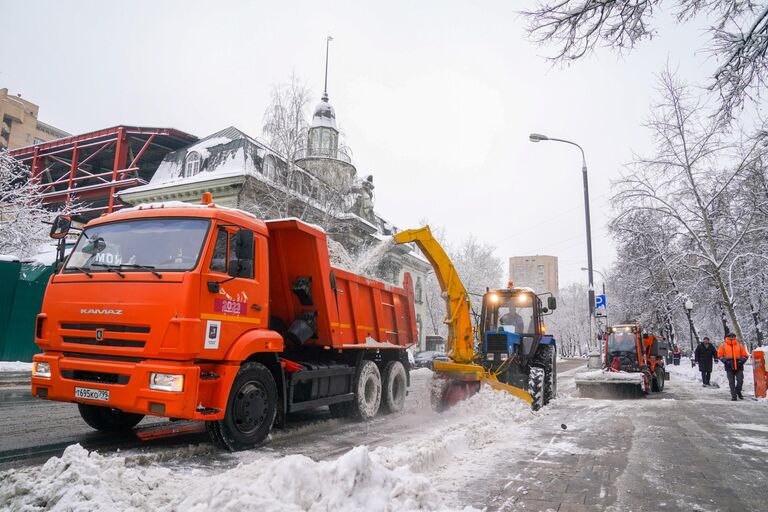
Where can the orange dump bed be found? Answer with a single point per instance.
(350, 310)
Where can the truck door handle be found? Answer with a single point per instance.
(256, 307)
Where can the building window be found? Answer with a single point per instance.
(270, 169)
(192, 164)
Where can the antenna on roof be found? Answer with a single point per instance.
(325, 86)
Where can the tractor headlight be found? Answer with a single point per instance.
(489, 357)
(166, 382)
(40, 369)
(504, 357)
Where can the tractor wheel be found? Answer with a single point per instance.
(658, 380)
(251, 410)
(395, 387)
(108, 419)
(536, 379)
(367, 388)
(546, 359)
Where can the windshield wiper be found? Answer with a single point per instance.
(143, 267)
(80, 269)
(110, 268)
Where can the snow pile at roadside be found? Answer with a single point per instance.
(15, 366)
(685, 371)
(357, 480)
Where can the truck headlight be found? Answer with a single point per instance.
(166, 382)
(40, 369)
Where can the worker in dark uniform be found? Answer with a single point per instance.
(704, 355)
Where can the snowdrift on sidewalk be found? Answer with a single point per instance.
(718, 377)
(15, 366)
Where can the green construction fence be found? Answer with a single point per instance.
(22, 286)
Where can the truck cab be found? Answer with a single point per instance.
(208, 313)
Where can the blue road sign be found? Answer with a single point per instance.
(599, 301)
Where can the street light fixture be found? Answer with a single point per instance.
(599, 273)
(537, 137)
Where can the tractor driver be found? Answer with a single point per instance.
(511, 318)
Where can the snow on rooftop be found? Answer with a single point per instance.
(202, 146)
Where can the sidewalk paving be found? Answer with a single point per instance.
(688, 449)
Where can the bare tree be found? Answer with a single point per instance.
(694, 184)
(22, 214)
(738, 36)
(285, 120)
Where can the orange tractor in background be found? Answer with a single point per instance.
(633, 365)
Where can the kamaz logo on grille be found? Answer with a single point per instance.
(86, 311)
(99, 334)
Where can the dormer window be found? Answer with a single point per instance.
(192, 164)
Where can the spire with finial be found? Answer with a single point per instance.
(325, 85)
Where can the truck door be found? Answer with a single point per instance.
(230, 306)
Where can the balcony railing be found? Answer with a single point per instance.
(337, 154)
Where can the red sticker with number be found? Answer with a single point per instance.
(230, 307)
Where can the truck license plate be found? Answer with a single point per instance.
(101, 395)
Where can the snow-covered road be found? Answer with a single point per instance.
(489, 452)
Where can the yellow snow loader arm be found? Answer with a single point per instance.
(459, 346)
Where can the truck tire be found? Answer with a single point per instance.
(108, 419)
(546, 359)
(367, 388)
(536, 387)
(395, 388)
(250, 412)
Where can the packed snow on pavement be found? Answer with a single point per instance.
(15, 366)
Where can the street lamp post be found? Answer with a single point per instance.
(689, 309)
(537, 137)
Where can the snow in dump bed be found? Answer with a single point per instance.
(15, 366)
(603, 376)
(8, 257)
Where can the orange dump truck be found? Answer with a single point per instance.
(208, 313)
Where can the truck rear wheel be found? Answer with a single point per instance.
(367, 388)
(108, 419)
(251, 410)
(395, 387)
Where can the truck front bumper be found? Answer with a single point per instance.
(203, 396)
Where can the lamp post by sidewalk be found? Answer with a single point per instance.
(689, 309)
(537, 137)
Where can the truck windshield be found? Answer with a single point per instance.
(621, 342)
(140, 245)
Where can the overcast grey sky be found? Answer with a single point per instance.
(436, 98)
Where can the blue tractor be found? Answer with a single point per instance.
(514, 345)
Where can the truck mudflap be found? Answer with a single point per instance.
(125, 385)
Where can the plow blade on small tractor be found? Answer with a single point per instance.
(610, 384)
(454, 382)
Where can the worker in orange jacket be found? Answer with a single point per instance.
(733, 356)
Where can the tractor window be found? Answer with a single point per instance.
(621, 342)
(513, 314)
(219, 258)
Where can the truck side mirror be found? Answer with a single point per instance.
(242, 264)
(551, 303)
(60, 226)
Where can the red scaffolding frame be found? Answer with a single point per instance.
(91, 167)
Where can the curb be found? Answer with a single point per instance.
(15, 378)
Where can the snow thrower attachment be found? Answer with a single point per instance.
(513, 354)
(633, 365)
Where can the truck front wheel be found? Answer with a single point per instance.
(251, 410)
(367, 391)
(108, 419)
(395, 387)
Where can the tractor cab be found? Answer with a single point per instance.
(511, 324)
(623, 350)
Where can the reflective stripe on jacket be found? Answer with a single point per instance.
(732, 350)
